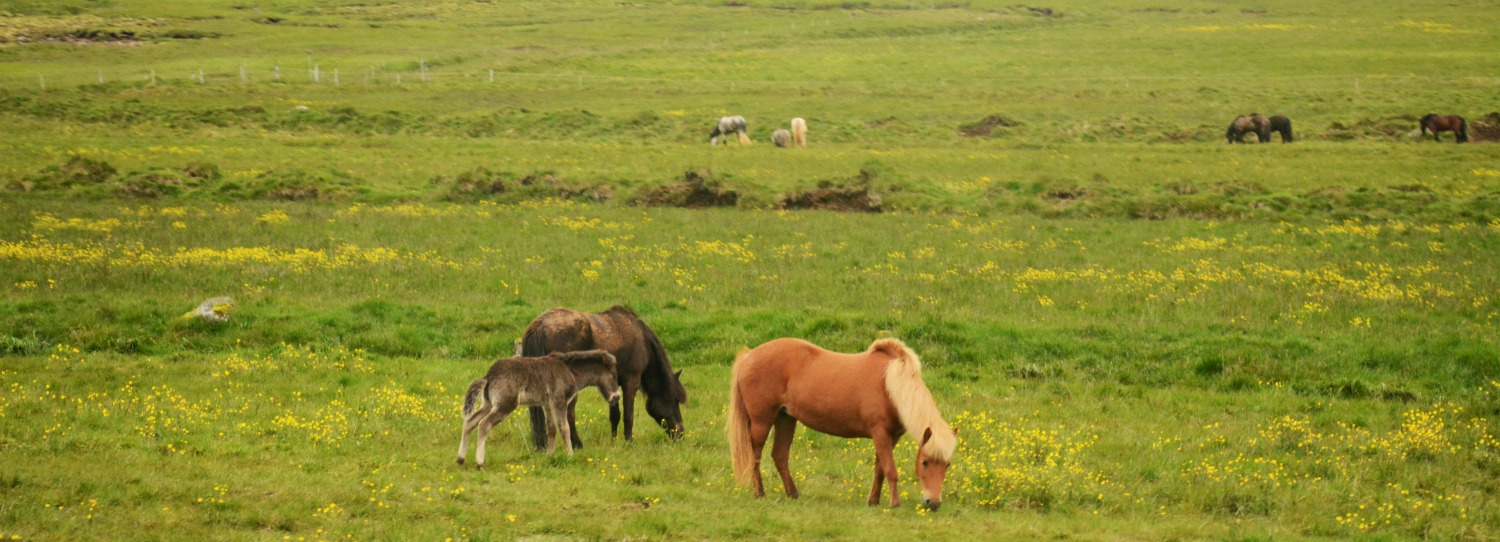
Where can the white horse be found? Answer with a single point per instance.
(735, 124)
(799, 132)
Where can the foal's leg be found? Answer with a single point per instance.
(564, 417)
(574, 443)
(497, 414)
(470, 422)
(885, 469)
(786, 429)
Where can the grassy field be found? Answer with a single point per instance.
(1141, 332)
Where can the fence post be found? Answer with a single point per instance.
(243, 78)
(316, 74)
(101, 76)
(202, 80)
(43, 79)
(492, 75)
(276, 73)
(424, 71)
(335, 77)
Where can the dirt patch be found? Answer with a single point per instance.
(696, 190)
(1381, 127)
(986, 126)
(828, 196)
(1487, 129)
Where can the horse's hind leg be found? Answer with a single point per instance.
(563, 414)
(496, 415)
(786, 430)
(470, 422)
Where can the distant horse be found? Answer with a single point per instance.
(1445, 123)
(1281, 125)
(781, 138)
(1246, 124)
(876, 394)
(729, 125)
(799, 132)
(551, 381)
(643, 365)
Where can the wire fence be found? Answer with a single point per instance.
(316, 74)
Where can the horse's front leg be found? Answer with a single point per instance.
(885, 469)
(627, 408)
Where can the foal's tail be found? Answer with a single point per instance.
(474, 398)
(739, 425)
(1463, 130)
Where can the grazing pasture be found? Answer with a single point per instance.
(1138, 331)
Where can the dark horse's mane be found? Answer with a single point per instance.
(658, 378)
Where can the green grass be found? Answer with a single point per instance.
(1140, 331)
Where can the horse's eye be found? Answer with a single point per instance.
(924, 462)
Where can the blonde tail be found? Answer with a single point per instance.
(739, 426)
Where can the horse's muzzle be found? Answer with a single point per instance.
(674, 433)
(931, 505)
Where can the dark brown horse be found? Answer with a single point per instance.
(876, 394)
(1252, 123)
(643, 365)
(1281, 125)
(1445, 123)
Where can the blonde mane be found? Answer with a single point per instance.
(913, 402)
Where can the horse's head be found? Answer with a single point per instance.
(598, 370)
(931, 469)
(666, 408)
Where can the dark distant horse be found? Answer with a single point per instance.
(1445, 123)
(1246, 124)
(551, 383)
(729, 125)
(1281, 125)
(643, 365)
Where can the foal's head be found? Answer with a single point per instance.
(595, 368)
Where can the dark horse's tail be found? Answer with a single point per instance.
(1463, 130)
(534, 344)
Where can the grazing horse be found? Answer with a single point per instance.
(729, 125)
(781, 138)
(1445, 123)
(799, 132)
(643, 365)
(1248, 123)
(1282, 125)
(876, 394)
(551, 381)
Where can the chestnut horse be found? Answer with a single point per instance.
(1445, 123)
(876, 394)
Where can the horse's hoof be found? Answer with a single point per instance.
(460, 461)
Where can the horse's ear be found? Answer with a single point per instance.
(926, 436)
(677, 388)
